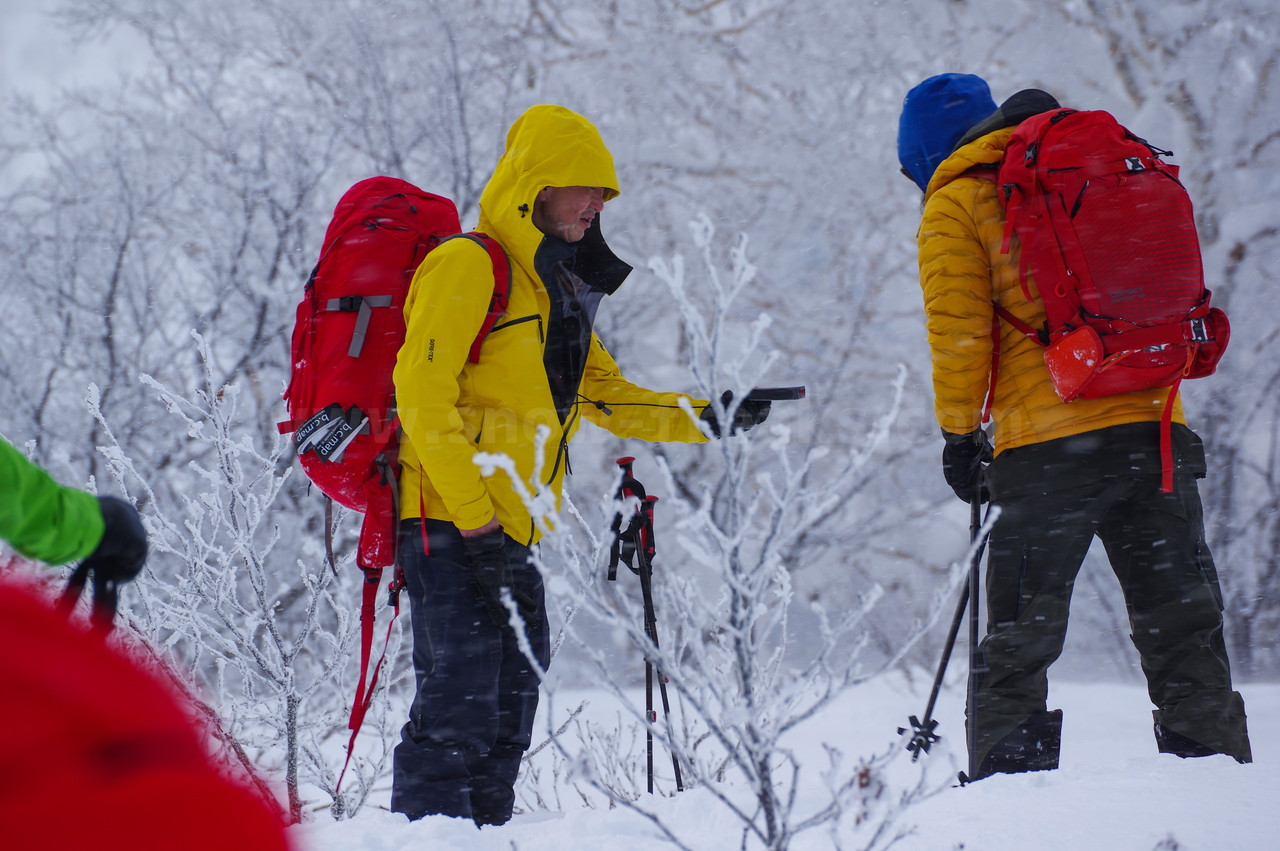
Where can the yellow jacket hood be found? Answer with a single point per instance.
(546, 146)
(452, 408)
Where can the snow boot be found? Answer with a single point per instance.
(1171, 742)
(1179, 745)
(1206, 723)
(1032, 746)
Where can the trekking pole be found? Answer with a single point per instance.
(923, 735)
(636, 539)
(645, 569)
(644, 555)
(971, 694)
(106, 597)
(923, 732)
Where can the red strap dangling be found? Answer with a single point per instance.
(365, 692)
(995, 368)
(1166, 440)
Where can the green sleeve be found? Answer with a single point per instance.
(42, 519)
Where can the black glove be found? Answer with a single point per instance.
(123, 548)
(749, 414)
(491, 572)
(963, 458)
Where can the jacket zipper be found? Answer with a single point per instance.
(562, 451)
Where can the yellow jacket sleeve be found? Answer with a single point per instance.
(955, 275)
(628, 410)
(445, 308)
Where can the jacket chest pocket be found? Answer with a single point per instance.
(531, 324)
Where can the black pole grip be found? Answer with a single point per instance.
(776, 394)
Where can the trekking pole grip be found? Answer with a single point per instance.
(646, 531)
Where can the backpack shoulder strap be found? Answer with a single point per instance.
(1040, 338)
(983, 171)
(501, 287)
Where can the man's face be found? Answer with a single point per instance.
(567, 211)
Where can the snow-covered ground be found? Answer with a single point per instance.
(1113, 792)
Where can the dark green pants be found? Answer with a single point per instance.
(1054, 498)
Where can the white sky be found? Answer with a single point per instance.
(37, 58)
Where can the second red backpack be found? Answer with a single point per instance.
(1108, 235)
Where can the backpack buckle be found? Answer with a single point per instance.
(345, 304)
(1199, 331)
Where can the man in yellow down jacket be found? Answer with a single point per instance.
(464, 538)
(1061, 473)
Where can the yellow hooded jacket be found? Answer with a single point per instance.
(963, 273)
(451, 409)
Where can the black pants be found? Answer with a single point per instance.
(1054, 498)
(472, 717)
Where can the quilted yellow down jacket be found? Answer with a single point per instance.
(451, 409)
(962, 273)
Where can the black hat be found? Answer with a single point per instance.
(1015, 110)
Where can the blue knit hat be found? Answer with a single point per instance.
(935, 114)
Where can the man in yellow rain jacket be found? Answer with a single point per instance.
(1061, 473)
(465, 537)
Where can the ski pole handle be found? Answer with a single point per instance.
(646, 531)
(629, 486)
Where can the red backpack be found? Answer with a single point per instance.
(348, 331)
(341, 399)
(1108, 234)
